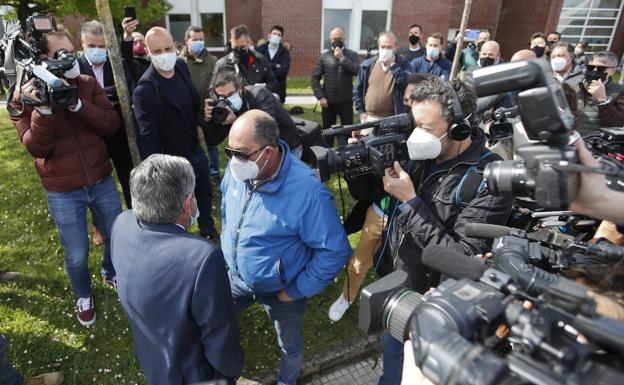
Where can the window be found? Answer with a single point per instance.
(178, 23)
(362, 21)
(209, 15)
(212, 24)
(593, 21)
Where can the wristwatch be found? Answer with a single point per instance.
(605, 102)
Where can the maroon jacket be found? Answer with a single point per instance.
(67, 146)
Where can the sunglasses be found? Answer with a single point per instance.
(230, 152)
(599, 68)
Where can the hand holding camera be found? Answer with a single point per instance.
(219, 111)
(397, 183)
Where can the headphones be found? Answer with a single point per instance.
(459, 129)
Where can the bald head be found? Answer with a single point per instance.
(490, 49)
(159, 40)
(523, 54)
(254, 128)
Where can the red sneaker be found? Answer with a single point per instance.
(85, 310)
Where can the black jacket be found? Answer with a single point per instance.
(439, 214)
(259, 71)
(257, 98)
(337, 76)
(280, 66)
(161, 126)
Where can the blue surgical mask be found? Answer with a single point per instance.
(236, 101)
(275, 40)
(433, 52)
(96, 55)
(197, 47)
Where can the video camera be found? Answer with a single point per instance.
(468, 332)
(499, 126)
(22, 56)
(384, 145)
(547, 118)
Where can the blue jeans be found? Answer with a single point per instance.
(8, 374)
(213, 156)
(287, 318)
(392, 361)
(69, 210)
(203, 192)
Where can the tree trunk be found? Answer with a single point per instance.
(23, 11)
(104, 13)
(460, 39)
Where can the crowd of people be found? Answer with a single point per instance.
(281, 240)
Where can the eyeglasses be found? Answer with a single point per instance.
(230, 152)
(599, 68)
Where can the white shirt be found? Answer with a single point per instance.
(272, 50)
(98, 71)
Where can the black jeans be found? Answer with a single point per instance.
(203, 192)
(333, 110)
(119, 152)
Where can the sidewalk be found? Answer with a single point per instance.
(364, 372)
(301, 100)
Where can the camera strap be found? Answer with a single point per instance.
(472, 183)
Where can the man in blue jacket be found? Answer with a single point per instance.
(379, 77)
(281, 236)
(173, 284)
(433, 63)
(167, 111)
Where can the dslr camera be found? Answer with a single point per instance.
(548, 120)
(385, 144)
(22, 56)
(219, 111)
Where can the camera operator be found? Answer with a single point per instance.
(71, 159)
(601, 100)
(440, 192)
(229, 86)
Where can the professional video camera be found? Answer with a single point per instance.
(23, 59)
(547, 118)
(499, 126)
(468, 332)
(608, 145)
(372, 154)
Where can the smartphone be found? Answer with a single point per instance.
(130, 12)
(471, 35)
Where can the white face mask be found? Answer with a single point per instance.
(422, 145)
(245, 170)
(385, 54)
(165, 61)
(579, 51)
(558, 64)
(73, 72)
(195, 215)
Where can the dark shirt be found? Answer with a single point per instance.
(411, 55)
(175, 86)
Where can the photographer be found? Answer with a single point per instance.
(71, 159)
(238, 99)
(440, 192)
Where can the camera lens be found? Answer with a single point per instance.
(397, 312)
(508, 178)
(219, 114)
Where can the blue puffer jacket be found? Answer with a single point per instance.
(284, 233)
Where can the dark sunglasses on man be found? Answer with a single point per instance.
(597, 68)
(230, 152)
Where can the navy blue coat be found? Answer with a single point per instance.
(281, 58)
(401, 70)
(161, 125)
(175, 290)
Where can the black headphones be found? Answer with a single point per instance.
(460, 128)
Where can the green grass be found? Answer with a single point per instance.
(298, 86)
(37, 310)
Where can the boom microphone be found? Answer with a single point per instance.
(453, 264)
(486, 231)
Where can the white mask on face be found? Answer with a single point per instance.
(385, 54)
(165, 61)
(558, 64)
(195, 215)
(422, 145)
(73, 72)
(245, 170)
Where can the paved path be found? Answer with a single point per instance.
(360, 373)
(301, 100)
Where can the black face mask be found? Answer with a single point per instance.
(240, 51)
(595, 75)
(480, 45)
(337, 44)
(487, 61)
(539, 51)
(414, 39)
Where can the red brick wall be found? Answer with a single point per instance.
(520, 19)
(246, 12)
(433, 16)
(301, 20)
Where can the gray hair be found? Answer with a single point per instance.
(159, 185)
(388, 34)
(93, 27)
(563, 44)
(607, 57)
(266, 131)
